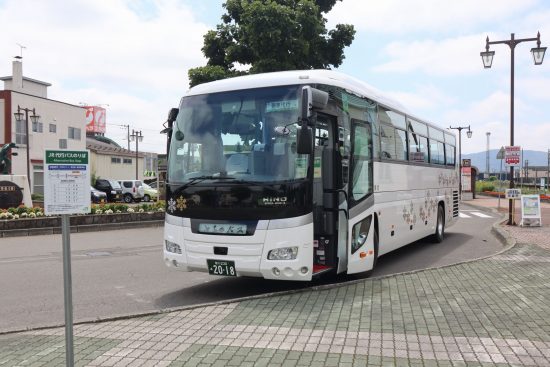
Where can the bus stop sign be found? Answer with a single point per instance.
(512, 156)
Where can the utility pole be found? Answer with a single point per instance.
(137, 136)
(526, 172)
(487, 156)
(127, 134)
(548, 170)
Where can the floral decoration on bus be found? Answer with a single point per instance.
(448, 202)
(409, 216)
(429, 208)
(448, 179)
(180, 204)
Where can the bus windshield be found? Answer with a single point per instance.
(247, 135)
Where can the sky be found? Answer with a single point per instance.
(132, 57)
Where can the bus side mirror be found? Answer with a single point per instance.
(312, 98)
(305, 140)
(173, 114)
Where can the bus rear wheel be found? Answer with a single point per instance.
(440, 225)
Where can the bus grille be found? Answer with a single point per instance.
(455, 203)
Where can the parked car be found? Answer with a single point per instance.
(97, 196)
(149, 193)
(110, 187)
(132, 190)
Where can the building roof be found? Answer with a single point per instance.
(5, 78)
(100, 147)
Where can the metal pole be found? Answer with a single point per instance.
(28, 143)
(137, 155)
(487, 159)
(548, 171)
(460, 163)
(68, 292)
(500, 184)
(512, 47)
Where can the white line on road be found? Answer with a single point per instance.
(481, 215)
(462, 215)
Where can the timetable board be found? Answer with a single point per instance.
(66, 182)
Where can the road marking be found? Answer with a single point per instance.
(471, 212)
(481, 215)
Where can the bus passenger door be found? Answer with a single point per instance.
(363, 245)
(326, 172)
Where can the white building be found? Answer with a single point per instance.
(111, 161)
(61, 125)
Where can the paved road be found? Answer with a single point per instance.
(121, 272)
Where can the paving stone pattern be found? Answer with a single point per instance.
(492, 312)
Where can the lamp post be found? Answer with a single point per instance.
(469, 134)
(137, 136)
(34, 118)
(487, 58)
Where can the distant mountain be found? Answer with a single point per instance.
(534, 157)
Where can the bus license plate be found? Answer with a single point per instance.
(221, 267)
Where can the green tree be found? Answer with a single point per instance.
(272, 35)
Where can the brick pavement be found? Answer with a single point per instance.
(490, 312)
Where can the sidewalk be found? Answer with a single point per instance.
(490, 312)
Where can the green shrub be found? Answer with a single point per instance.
(482, 186)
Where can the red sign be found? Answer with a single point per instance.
(512, 155)
(95, 119)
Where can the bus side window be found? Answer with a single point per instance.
(361, 179)
(387, 142)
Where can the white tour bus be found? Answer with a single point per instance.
(292, 174)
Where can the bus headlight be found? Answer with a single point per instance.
(173, 247)
(284, 253)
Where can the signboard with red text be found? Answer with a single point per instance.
(95, 119)
(512, 156)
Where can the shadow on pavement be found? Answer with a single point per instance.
(418, 255)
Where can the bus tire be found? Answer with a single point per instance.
(440, 225)
(375, 240)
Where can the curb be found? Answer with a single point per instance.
(81, 228)
(502, 235)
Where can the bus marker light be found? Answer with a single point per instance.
(362, 255)
(371, 252)
(304, 270)
(276, 271)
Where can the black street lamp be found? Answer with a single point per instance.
(487, 58)
(469, 134)
(137, 136)
(34, 118)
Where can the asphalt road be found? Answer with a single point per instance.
(117, 273)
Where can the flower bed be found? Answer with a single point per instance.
(32, 218)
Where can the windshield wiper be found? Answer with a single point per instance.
(195, 180)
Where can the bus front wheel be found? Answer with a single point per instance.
(440, 225)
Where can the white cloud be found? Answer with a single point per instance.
(449, 57)
(402, 17)
(103, 52)
(423, 99)
(492, 114)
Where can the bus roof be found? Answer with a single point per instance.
(328, 77)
